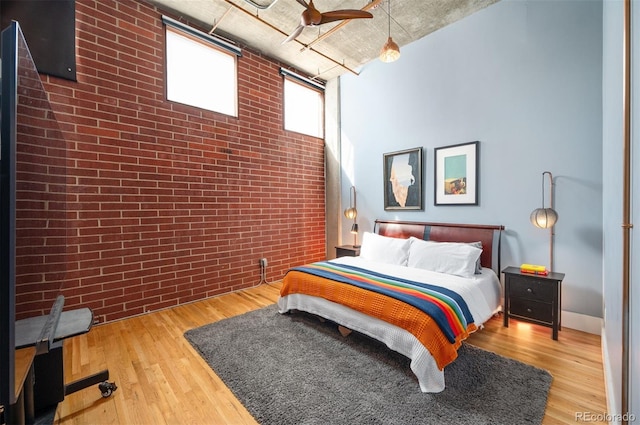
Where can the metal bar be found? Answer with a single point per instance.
(302, 79)
(552, 232)
(86, 382)
(213, 39)
(626, 208)
(48, 332)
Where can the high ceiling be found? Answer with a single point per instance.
(264, 24)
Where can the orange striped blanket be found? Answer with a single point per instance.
(381, 306)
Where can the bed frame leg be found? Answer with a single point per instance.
(344, 331)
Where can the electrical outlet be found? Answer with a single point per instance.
(263, 263)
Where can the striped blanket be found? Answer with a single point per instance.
(438, 317)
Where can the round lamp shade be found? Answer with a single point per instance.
(351, 213)
(544, 217)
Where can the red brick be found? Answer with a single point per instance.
(151, 203)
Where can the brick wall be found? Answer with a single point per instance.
(162, 203)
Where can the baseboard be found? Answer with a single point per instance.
(581, 322)
(608, 378)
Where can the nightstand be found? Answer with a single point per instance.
(347, 251)
(533, 298)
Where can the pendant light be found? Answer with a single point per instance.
(390, 51)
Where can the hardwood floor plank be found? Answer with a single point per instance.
(163, 380)
(574, 361)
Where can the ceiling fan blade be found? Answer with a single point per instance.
(294, 34)
(369, 6)
(304, 3)
(338, 15)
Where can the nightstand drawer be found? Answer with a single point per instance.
(532, 289)
(535, 310)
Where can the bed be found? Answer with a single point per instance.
(420, 288)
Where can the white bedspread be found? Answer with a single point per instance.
(481, 293)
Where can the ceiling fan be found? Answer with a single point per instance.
(312, 17)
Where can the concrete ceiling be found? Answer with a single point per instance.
(263, 25)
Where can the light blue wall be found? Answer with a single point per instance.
(612, 196)
(525, 79)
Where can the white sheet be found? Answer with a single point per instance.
(481, 293)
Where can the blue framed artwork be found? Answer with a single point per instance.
(456, 174)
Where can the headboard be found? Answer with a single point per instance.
(447, 232)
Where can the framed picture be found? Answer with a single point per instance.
(403, 180)
(456, 174)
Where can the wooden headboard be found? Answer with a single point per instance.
(489, 235)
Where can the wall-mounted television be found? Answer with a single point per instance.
(33, 195)
(11, 38)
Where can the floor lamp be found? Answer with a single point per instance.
(546, 218)
(351, 213)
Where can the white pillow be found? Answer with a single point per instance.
(444, 257)
(478, 265)
(384, 249)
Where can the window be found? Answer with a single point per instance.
(303, 105)
(201, 69)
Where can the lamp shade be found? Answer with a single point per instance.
(544, 218)
(351, 213)
(354, 228)
(390, 51)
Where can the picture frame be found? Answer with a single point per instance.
(402, 183)
(456, 174)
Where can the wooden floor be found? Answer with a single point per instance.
(162, 380)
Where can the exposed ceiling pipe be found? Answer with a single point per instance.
(286, 35)
(219, 21)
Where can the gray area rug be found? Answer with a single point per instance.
(293, 369)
